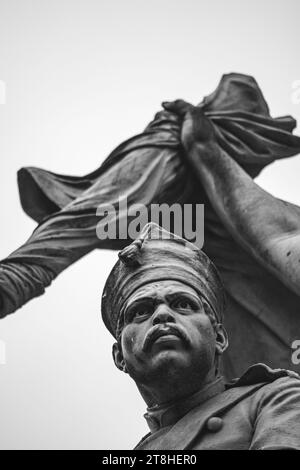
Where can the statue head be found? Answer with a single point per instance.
(163, 302)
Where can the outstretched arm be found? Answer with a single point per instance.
(266, 227)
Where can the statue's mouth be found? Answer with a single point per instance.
(163, 334)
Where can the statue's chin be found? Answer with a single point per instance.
(168, 362)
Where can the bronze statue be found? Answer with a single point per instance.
(165, 311)
(250, 235)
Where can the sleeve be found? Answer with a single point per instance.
(69, 234)
(277, 423)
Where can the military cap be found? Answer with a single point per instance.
(158, 255)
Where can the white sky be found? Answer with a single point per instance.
(81, 76)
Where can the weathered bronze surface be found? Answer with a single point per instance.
(262, 314)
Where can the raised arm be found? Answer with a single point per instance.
(266, 227)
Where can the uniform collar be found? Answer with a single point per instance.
(160, 416)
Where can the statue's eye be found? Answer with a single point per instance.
(183, 304)
(140, 311)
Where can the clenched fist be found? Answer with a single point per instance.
(197, 130)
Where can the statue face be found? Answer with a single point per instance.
(167, 331)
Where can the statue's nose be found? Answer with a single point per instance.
(163, 314)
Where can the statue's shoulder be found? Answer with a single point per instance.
(261, 373)
(268, 386)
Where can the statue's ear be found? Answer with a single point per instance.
(221, 339)
(118, 357)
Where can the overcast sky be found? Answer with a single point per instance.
(81, 76)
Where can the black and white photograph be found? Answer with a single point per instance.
(150, 228)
